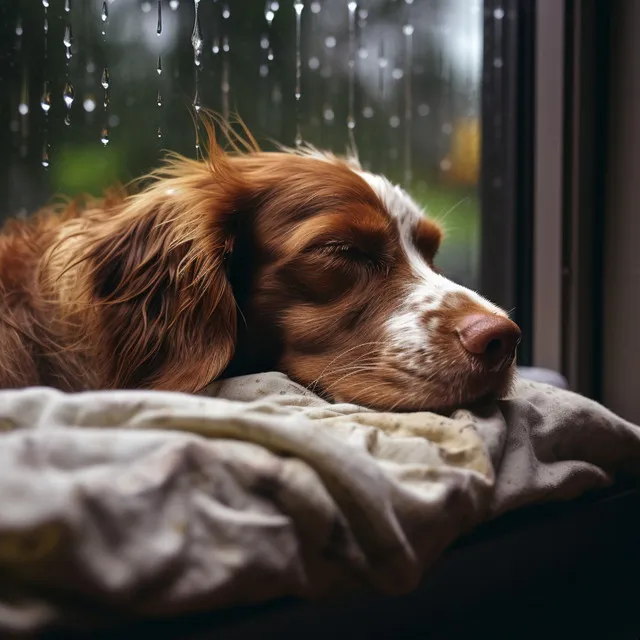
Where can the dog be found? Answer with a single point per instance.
(248, 261)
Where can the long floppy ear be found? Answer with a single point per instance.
(164, 315)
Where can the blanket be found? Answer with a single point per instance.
(145, 504)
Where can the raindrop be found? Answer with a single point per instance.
(445, 164)
(104, 15)
(159, 26)
(159, 67)
(45, 4)
(216, 46)
(268, 14)
(89, 104)
(270, 55)
(146, 7)
(407, 29)
(225, 44)
(196, 101)
(447, 128)
(314, 63)
(159, 133)
(174, 4)
(113, 121)
(45, 100)
(45, 156)
(397, 74)
(315, 7)
(67, 119)
(264, 70)
(394, 121)
(363, 54)
(351, 123)
(226, 13)
(67, 6)
(46, 25)
(68, 94)
(104, 136)
(68, 40)
(196, 36)
(367, 112)
(23, 108)
(328, 114)
(159, 99)
(298, 139)
(423, 110)
(330, 42)
(19, 29)
(106, 78)
(498, 13)
(264, 42)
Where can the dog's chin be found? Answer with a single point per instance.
(459, 392)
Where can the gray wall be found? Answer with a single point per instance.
(622, 226)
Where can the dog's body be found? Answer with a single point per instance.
(299, 262)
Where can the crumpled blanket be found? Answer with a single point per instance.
(117, 505)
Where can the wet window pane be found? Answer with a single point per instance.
(93, 91)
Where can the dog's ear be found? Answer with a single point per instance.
(163, 311)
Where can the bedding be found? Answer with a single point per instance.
(121, 505)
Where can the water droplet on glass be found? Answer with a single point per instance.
(159, 67)
(216, 46)
(159, 25)
(330, 42)
(314, 63)
(352, 6)
(407, 29)
(298, 7)
(498, 13)
(270, 55)
(68, 94)
(45, 156)
(104, 136)
(159, 133)
(367, 112)
(19, 30)
(397, 73)
(174, 4)
(67, 6)
(105, 80)
(328, 114)
(45, 4)
(196, 101)
(264, 42)
(23, 108)
(159, 99)
(104, 15)
(68, 40)
(394, 121)
(89, 104)
(226, 12)
(315, 7)
(196, 37)
(225, 44)
(351, 123)
(268, 14)
(45, 100)
(146, 7)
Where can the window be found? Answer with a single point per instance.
(93, 92)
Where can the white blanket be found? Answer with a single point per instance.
(129, 504)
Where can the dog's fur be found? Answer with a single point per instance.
(245, 261)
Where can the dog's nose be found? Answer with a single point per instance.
(491, 338)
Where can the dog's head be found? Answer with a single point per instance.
(296, 261)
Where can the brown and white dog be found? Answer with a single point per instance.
(248, 261)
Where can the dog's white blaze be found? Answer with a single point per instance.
(406, 329)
